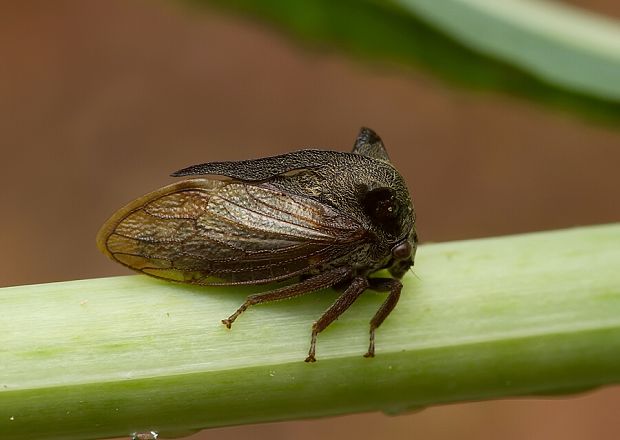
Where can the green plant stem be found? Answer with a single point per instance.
(480, 319)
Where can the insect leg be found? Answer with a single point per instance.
(382, 285)
(317, 282)
(344, 301)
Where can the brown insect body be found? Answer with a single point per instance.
(327, 217)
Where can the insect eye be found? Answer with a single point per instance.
(402, 251)
(383, 207)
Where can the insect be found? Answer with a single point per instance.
(314, 217)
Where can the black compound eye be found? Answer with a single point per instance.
(383, 208)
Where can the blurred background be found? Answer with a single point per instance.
(100, 101)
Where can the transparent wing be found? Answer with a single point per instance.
(204, 231)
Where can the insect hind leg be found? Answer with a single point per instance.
(317, 282)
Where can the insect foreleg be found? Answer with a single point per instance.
(344, 301)
(383, 285)
(317, 282)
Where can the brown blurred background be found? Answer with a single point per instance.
(100, 101)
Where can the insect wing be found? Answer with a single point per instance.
(205, 231)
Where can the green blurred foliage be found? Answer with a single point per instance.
(385, 32)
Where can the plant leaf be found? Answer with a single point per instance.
(459, 40)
